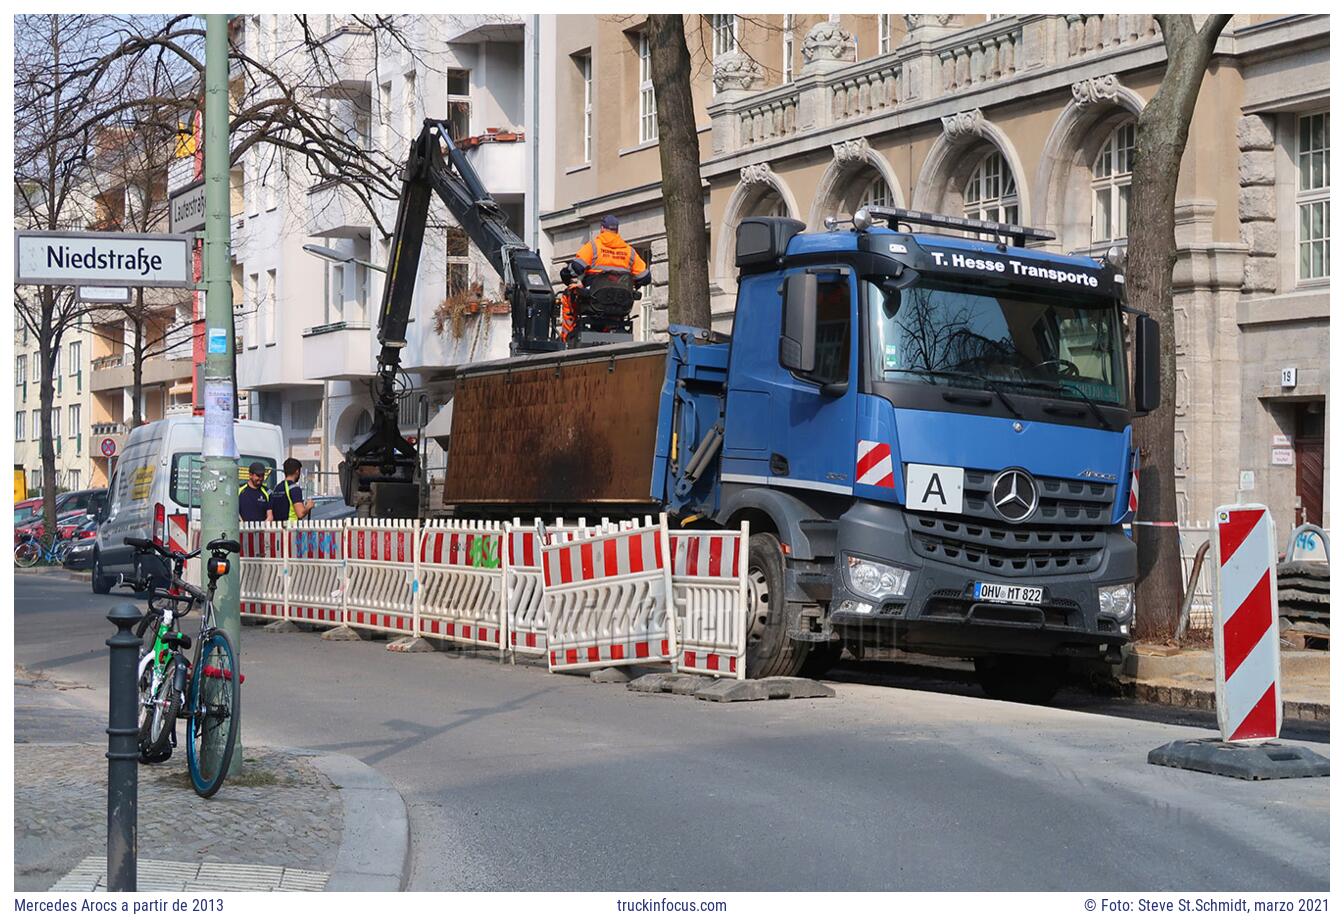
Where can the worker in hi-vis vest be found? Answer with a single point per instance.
(287, 503)
(254, 502)
(608, 253)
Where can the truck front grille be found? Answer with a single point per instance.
(1062, 502)
(1016, 552)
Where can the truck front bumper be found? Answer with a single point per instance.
(938, 613)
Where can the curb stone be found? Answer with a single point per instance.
(375, 839)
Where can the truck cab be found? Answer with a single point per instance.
(930, 436)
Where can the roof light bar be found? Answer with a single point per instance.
(1018, 233)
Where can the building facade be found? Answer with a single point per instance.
(1018, 118)
(308, 326)
(71, 406)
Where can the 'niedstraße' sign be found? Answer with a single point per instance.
(134, 259)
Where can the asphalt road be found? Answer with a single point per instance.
(518, 779)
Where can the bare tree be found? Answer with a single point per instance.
(1160, 139)
(679, 155)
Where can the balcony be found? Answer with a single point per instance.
(116, 372)
(335, 210)
(345, 62)
(338, 351)
(500, 159)
(109, 428)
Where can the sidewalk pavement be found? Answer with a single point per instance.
(291, 821)
(1185, 678)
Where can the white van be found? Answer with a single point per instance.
(155, 492)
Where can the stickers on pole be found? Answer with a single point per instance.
(1246, 630)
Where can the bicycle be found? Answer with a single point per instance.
(32, 551)
(207, 689)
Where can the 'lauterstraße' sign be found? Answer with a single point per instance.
(112, 259)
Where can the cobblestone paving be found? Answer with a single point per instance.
(163, 875)
(280, 812)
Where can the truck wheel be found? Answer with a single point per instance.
(770, 651)
(102, 584)
(1021, 678)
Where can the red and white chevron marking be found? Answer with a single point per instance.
(392, 622)
(527, 640)
(464, 632)
(625, 652)
(523, 549)
(873, 465)
(705, 556)
(314, 614)
(631, 553)
(178, 541)
(453, 548)
(1134, 493)
(261, 609)
(1246, 638)
(262, 544)
(378, 544)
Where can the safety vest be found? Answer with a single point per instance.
(293, 515)
(262, 489)
(607, 252)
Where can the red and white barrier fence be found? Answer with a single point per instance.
(709, 590)
(608, 598)
(1246, 630)
(613, 594)
(461, 582)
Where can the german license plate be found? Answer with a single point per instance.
(1008, 594)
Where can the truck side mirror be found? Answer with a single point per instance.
(1147, 365)
(798, 330)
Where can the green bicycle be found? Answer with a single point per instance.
(206, 690)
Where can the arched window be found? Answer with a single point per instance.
(1110, 185)
(877, 194)
(991, 193)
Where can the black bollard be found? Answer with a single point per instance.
(123, 749)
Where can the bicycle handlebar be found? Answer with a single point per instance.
(163, 551)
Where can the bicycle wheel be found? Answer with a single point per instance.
(158, 713)
(61, 551)
(212, 720)
(26, 555)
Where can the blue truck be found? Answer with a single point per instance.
(929, 434)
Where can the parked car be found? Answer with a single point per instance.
(85, 536)
(26, 513)
(158, 481)
(66, 525)
(330, 508)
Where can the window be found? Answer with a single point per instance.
(883, 33)
(37, 367)
(1313, 196)
(270, 197)
(787, 70)
(409, 105)
(56, 424)
(833, 307)
(184, 476)
(725, 32)
(73, 476)
(648, 110)
(269, 305)
(20, 368)
(19, 419)
(385, 116)
(459, 104)
(459, 265)
(337, 293)
(253, 305)
(74, 359)
(75, 431)
(991, 193)
(1110, 185)
(877, 194)
(585, 62)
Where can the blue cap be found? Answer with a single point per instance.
(610, 222)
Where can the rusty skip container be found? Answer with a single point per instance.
(566, 433)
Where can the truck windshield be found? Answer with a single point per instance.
(936, 330)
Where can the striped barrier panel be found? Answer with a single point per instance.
(261, 570)
(525, 618)
(1246, 624)
(380, 575)
(709, 591)
(315, 589)
(607, 597)
(460, 588)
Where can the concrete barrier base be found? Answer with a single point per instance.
(342, 634)
(1270, 760)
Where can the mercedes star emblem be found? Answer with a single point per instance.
(1014, 495)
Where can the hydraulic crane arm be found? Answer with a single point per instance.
(382, 472)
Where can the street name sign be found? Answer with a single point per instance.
(102, 294)
(111, 259)
(186, 208)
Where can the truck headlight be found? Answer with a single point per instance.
(877, 579)
(1117, 601)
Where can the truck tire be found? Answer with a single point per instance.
(770, 651)
(102, 584)
(1021, 678)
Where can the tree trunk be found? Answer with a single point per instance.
(679, 156)
(1160, 140)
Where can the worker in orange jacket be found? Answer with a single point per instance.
(608, 253)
